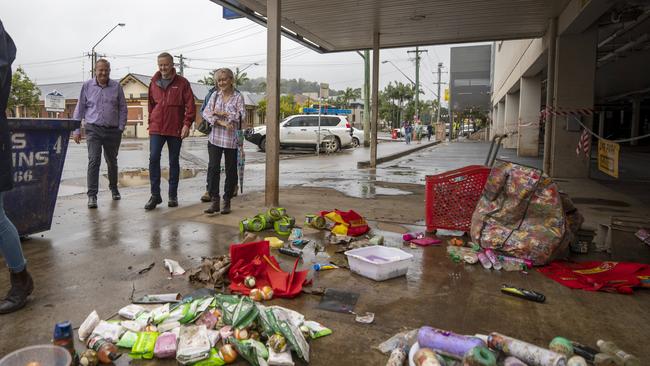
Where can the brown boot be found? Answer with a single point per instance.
(226, 207)
(214, 207)
(22, 286)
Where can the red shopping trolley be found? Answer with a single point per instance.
(451, 197)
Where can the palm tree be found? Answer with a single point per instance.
(240, 77)
(348, 95)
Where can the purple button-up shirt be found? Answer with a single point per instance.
(102, 105)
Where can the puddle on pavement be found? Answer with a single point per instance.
(131, 146)
(358, 189)
(599, 202)
(140, 177)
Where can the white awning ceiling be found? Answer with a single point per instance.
(339, 25)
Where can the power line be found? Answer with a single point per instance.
(195, 43)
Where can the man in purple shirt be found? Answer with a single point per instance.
(102, 106)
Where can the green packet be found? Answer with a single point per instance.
(128, 339)
(144, 345)
(213, 360)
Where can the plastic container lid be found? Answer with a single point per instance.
(44, 355)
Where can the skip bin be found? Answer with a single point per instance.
(38, 153)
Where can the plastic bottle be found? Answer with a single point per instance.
(484, 260)
(625, 358)
(413, 235)
(585, 352)
(291, 252)
(604, 359)
(526, 352)
(446, 342)
(63, 337)
(496, 263)
(107, 352)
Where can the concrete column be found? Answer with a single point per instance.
(601, 123)
(272, 183)
(511, 120)
(575, 64)
(501, 115)
(530, 103)
(636, 120)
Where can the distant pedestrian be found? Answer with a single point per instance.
(171, 113)
(429, 131)
(408, 132)
(224, 112)
(22, 284)
(102, 107)
(418, 132)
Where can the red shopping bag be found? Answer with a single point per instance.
(254, 259)
(619, 277)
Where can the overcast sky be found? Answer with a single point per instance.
(53, 38)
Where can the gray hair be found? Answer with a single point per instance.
(225, 70)
(166, 55)
(103, 61)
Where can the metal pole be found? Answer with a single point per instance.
(550, 95)
(417, 83)
(439, 75)
(320, 109)
(375, 99)
(366, 99)
(272, 186)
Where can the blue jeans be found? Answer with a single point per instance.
(156, 143)
(10, 242)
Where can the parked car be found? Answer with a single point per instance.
(357, 137)
(302, 131)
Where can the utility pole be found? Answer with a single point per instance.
(181, 64)
(439, 83)
(93, 60)
(366, 96)
(417, 80)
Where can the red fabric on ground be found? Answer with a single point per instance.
(254, 259)
(619, 277)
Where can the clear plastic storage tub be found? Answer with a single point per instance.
(378, 262)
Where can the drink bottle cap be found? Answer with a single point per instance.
(63, 330)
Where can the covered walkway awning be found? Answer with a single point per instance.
(332, 26)
(350, 25)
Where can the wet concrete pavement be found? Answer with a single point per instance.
(90, 260)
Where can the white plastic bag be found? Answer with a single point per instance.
(194, 344)
(88, 325)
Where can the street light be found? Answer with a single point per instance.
(94, 55)
(398, 69)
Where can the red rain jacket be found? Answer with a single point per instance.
(171, 108)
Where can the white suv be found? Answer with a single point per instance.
(302, 131)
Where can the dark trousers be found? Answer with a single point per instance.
(108, 139)
(156, 143)
(214, 171)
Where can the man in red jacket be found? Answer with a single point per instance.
(171, 113)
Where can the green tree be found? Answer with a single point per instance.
(261, 110)
(240, 77)
(23, 98)
(348, 95)
(207, 80)
(288, 106)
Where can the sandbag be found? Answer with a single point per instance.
(521, 214)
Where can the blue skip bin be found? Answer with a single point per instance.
(38, 153)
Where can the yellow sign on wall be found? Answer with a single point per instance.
(446, 95)
(608, 157)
